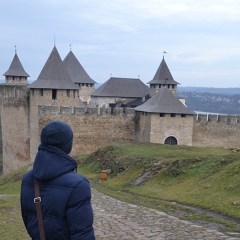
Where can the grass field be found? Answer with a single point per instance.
(151, 175)
(206, 178)
(11, 224)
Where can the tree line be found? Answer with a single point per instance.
(212, 102)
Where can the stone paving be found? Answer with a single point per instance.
(117, 220)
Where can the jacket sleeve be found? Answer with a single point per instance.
(79, 212)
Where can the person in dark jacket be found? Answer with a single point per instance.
(65, 194)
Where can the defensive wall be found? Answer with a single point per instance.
(179, 127)
(154, 128)
(97, 127)
(15, 126)
(44, 97)
(214, 130)
(85, 91)
(92, 127)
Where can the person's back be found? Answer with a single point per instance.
(65, 195)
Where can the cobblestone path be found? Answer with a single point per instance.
(117, 220)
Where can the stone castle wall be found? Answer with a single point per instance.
(84, 92)
(179, 127)
(15, 127)
(216, 131)
(92, 127)
(22, 120)
(143, 126)
(44, 97)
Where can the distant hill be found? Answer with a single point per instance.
(212, 100)
(205, 99)
(227, 91)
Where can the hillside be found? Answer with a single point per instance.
(213, 100)
(212, 103)
(156, 175)
(226, 91)
(201, 185)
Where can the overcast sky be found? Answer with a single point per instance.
(127, 38)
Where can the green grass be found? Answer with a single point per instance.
(204, 177)
(11, 224)
(207, 178)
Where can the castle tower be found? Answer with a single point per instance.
(14, 112)
(54, 87)
(163, 77)
(80, 77)
(16, 73)
(165, 119)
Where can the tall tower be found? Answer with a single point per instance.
(14, 112)
(165, 119)
(80, 77)
(16, 73)
(54, 87)
(163, 77)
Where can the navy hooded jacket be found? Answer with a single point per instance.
(65, 197)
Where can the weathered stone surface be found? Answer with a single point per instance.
(236, 203)
(114, 219)
(24, 113)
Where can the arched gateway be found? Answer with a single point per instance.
(170, 141)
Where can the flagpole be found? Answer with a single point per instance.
(163, 53)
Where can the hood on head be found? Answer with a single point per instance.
(58, 134)
(51, 162)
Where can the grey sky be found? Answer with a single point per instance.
(126, 38)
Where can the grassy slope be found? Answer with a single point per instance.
(11, 224)
(203, 177)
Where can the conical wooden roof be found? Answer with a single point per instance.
(54, 75)
(164, 102)
(76, 70)
(163, 75)
(16, 68)
(122, 87)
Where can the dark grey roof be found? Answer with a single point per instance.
(54, 75)
(164, 102)
(137, 102)
(16, 68)
(122, 87)
(163, 75)
(76, 70)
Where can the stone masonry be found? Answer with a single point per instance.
(22, 120)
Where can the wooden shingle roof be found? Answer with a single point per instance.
(122, 87)
(54, 75)
(16, 68)
(76, 70)
(163, 75)
(164, 102)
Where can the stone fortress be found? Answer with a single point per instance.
(120, 110)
